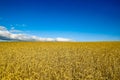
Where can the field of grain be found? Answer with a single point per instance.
(60, 61)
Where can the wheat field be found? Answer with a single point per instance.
(59, 60)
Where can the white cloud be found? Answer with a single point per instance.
(2, 28)
(6, 34)
(13, 30)
(62, 39)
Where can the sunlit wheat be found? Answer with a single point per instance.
(60, 61)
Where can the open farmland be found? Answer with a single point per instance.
(60, 61)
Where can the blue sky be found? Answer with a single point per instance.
(79, 20)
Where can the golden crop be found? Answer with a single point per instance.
(60, 61)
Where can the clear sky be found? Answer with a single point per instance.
(79, 20)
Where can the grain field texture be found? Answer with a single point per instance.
(59, 60)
